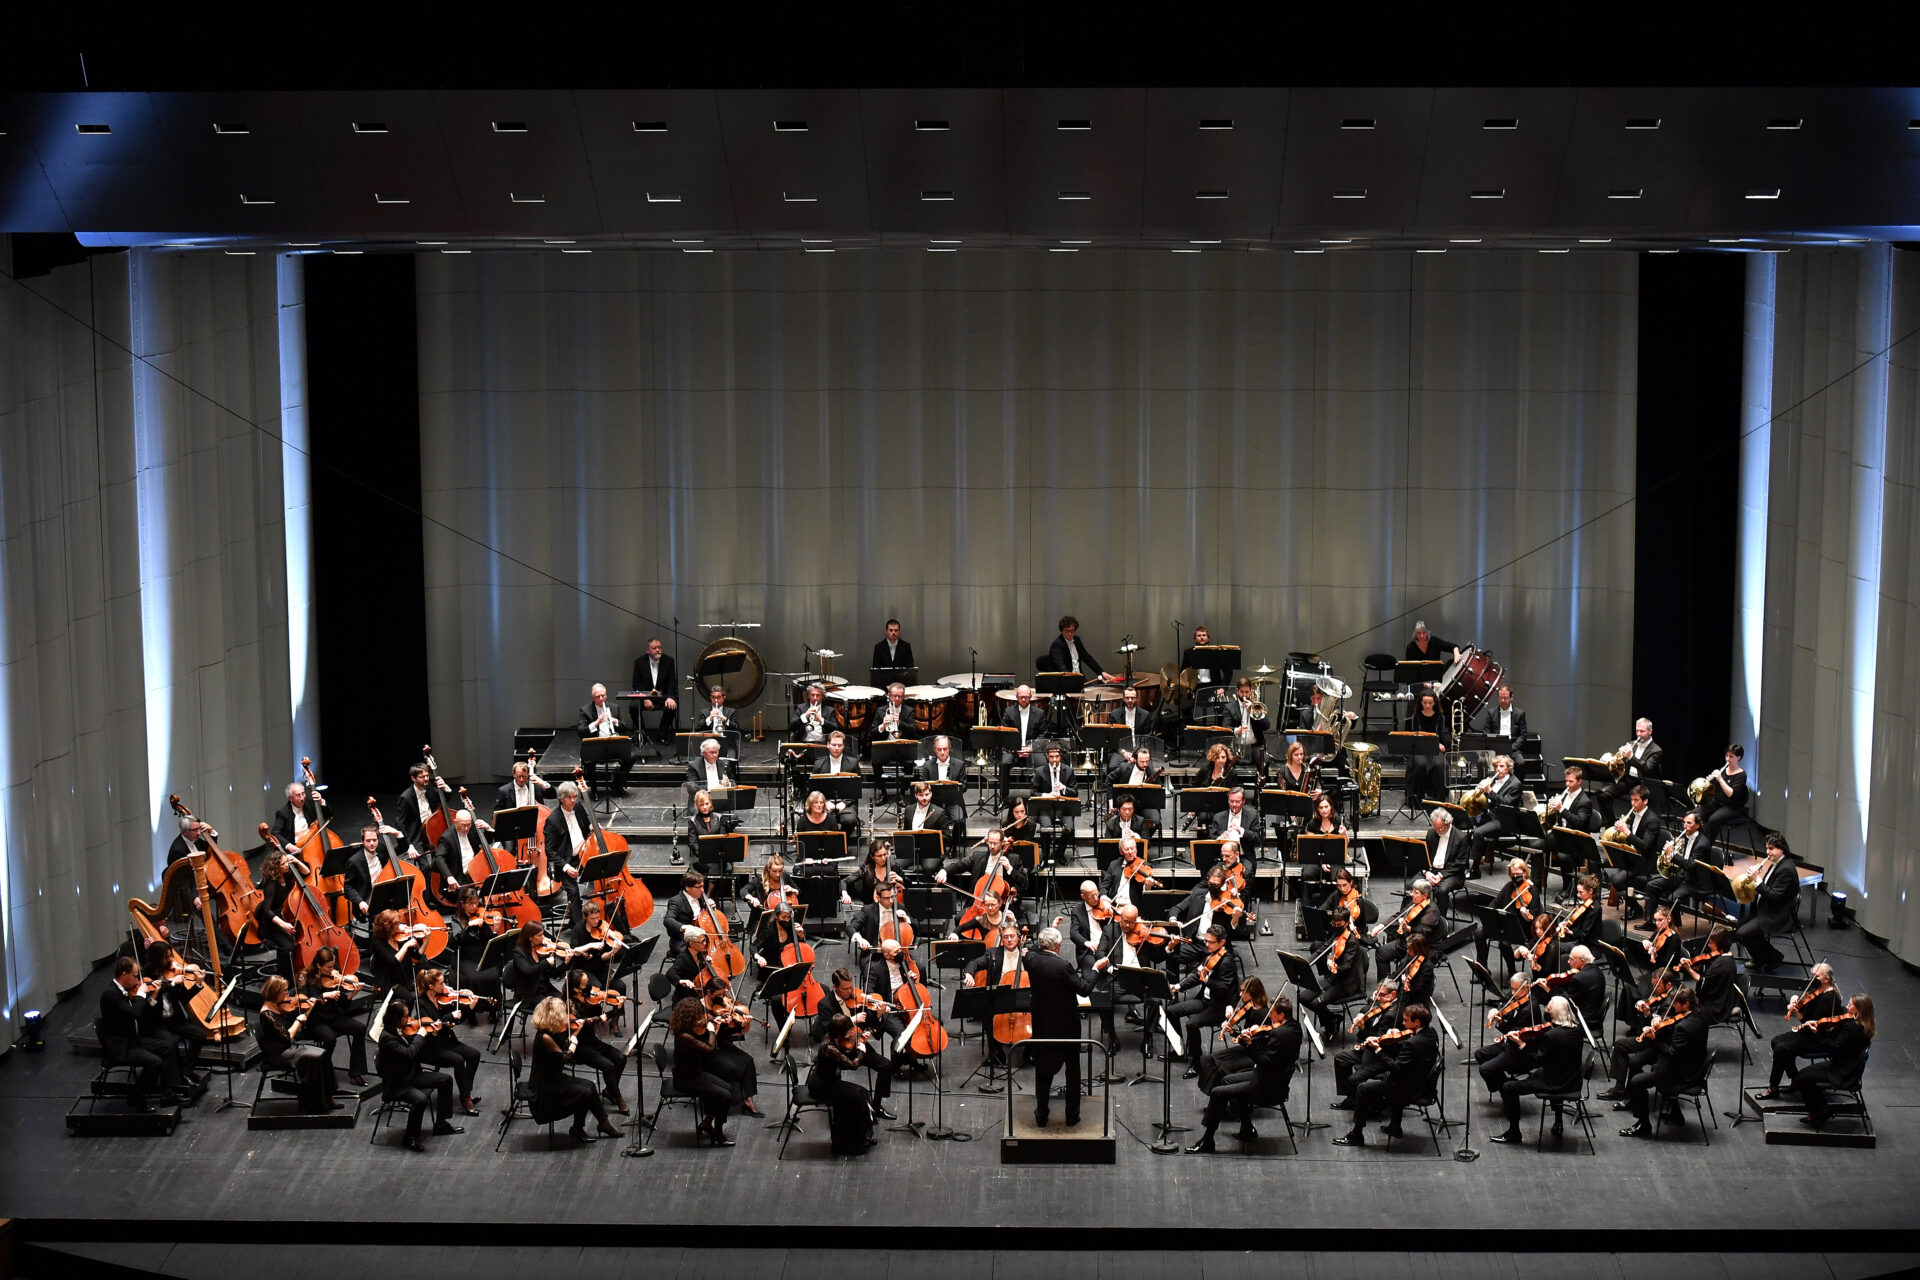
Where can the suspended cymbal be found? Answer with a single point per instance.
(1263, 669)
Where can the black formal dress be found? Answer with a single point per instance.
(1427, 774)
(1719, 810)
(556, 1093)
(339, 1014)
(312, 1069)
(693, 1073)
(850, 1111)
(403, 1078)
(1846, 1050)
(1679, 1056)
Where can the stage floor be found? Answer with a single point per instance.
(214, 1177)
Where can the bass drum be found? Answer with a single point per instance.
(1472, 680)
(744, 682)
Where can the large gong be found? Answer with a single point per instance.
(735, 666)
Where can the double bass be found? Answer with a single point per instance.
(491, 861)
(313, 924)
(434, 825)
(230, 880)
(635, 899)
(417, 912)
(315, 845)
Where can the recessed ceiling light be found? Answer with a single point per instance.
(576, 251)
(556, 242)
(1723, 239)
(936, 197)
(1074, 126)
(1429, 250)
(1914, 123)
(947, 242)
(519, 199)
(510, 126)
(456, 251)
(1596, 239)
(1626, 193)
(1057, 249)
(789, 126)
(238, 253)
(696, 251)
(1203, 242)
(1764, 193)
(662, 197)
(228, 130)
(1076, 195)
(1500, 122)
(1209, 195)
(1348, 241)
(1784, 124)
(935, 248)
(1663, 251)
(1216, 124)
(1357, 122)
(1350, 193)
(1556, 251)
(369, 126)
(1309, 250)
(930, 126)
(1185, 249)
(303, 244)
(816, 250)
(1076, 242)
(93, 130)
(247, 199)
(348, 253)
(1489, 193)
(430, 244)
(689, 241)
(1473, 241)
(1643, 122)
(649, 126)
(380, 199)
(795, 198)
(804, 240)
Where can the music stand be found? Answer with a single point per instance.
(1328, 851)
(1058, 813)
(728, 849)
(389, 895)
(1418, 672)
(1202, 803)
(986, 1003)
(1147, 797)
(819, 848)
(615, 750)
(819, 897)
(511, 826)
(1105, 738)
(783, 982)
(1205, 854)
(893, 760)
(928, 848)
(1196, 738)
(502, 884)
(1106, 852)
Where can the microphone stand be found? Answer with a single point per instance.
(1466, 1154)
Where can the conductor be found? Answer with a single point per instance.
(1057, 987)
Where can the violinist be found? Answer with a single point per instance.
(1361, 1060)
(1676, 1057)
(418, 803)
(535, 967)
(170, 979)
(524, 791)
(1272, 1045)
(875, 870)
(434, 1001)
(1847, 1038)
(1057, 988)
(1294, 775)
(556, 1092)
(849, 1110)
(870, 1013)
(1502, 791)
(1582, 924)
(708, 773)
(1820, 1000)
(130, 1033)
(1714, 971)
(567, 829)
(683, 909)
(466, 837)
(1197, 912)
(403, 1079)
(1543, 954)
(339, 1011)
(689, 968)
(1499, 1057)
(395, 954)
(1555, 1057)
(1661, 951)
(881, 918)
(694, 1044)
(1238, 823)
(704, 821)
(1125, 822)
(1347, 900)
(1231, 1055)
(588, 1016)
(943, 766)
(272, 916)
(1420, 919)
(1127, 875)
(1409, 1055)
(1206, 993)
(1342, 968)
(1094, 929)
(283, 1020)
(1582, 981)
(1417, 974)
(303, 811)
(730, 1020)
(476, 928)
(1136, 768)
(1517, 897)
(594, 942)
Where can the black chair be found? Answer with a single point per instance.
(1559, 1102)
(1378, 669)
(104, 1085)
(799, 1101)
(519, 1099)
(280, 1078)
(665, 1091)
(1695, 1092)
(1276, 1100)
(1846, 1099)
(1428, 1103)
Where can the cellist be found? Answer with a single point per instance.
(878, 920)
(996, 966)
(967, 868)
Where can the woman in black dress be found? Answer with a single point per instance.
(531, 977)
(1294, 775)
(878, 869)
(850, 1114)
(1726, 797)
(394, 956)
(555, 1093)
(694, 1041)
(1019, 828)
(591, 1050)
(282, 1022)
(270, 917)
(434, 1000)
(338, 1011)
(729, 1061)
(1427, 775)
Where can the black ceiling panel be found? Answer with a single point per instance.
(934, 160)
(661, 176)
(1354, 158)
(1075, 161)
(1228, 143)
(795, 161)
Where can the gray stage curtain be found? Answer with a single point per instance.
(143, 617)
(1294, 450)
(1833, 415)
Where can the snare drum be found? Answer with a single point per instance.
(856, 704)
(929, 703)
(1472, 680)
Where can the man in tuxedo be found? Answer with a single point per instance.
(130, 1032)
(1274, 1053)
(1503, 719)
(599, 718)
(1503, 792)
(1447, 858)
(1069, 653)
(1137, 719)
(655, 677)
(195, 837)
(300, 814)
(1641, 828)
(1057, 988)
(420, 801)
(366, 864)
(1030, 721)
(1206, 676)
(1135, 768)
(1055, 777)
(1645, 760)
(891, 657)
(1778, 882)
(1693, 845)
(715, 717)
(1237, 822)
(568, 828)
(1409, 1064)
(708, 773)
(465, 837)
(944, 766)
(525, 791)
(1679, 1056)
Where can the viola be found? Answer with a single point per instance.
(426, 923)
(313, 925)
(1374, 1010)
(1351, 901)
(1413, 913)
(317, 843)
(1337, 949)
(411, 1026)
(1141, 934)
(1813, 989)
(1414, 967)
(625, 888)
(487, 918)
(601, 996)
(231, 882)
(1513, 1002)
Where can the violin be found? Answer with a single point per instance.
(1821, 1024)
(461, 996)
(1351, 901)
(342, 982)
(1522, 900)
(1140, 934)
(1658, 941)
(1521, 1035)
(1513, 1002)
(1386, 1037)
(487, 918)
(411, 1026)
(601, 996)
(1561, 929)
(1204, 972)
(730, 1013)
(1135, 869)
(551, 948)
(1406, 977)
(1374, 1010)
(1655, 1028)
(1813, 989)
(1336, 949)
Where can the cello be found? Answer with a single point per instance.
(635, 899)
(1010, 1028)
(228, 876)
(929, 1038)
(313, 848)
(313, 924)
(805, 1000)
(417, 911)
(990, 881)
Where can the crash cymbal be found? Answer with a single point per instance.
(1263, 669)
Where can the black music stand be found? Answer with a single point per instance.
(1425, 671)
(510, 826)
(1290, 808)
(1201, 803)
(1196, 738)
(1205, 854)
(986, 1003)
(1106, 852)
(893, 760)
(927, 902)
(843, 788)
(603, 866)
(735, 799)
(820, 848)
(502, 884)
(728, 849)
(1057, 813)
(616, 751)
(927, 848)
(389, 895)
(1147, 797)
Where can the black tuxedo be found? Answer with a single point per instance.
(589, 714)
(130, 1032)
(966, 869)
(451, 855)
(1556, 1058)
(1057, 987)
(1698, 847)
(1580, 812)
(1080, 933)
(403, 1079)
(1488, 722)
(1062, 657)
(504, 798)
(1679, 1056)
(1409, 1063)
(1772, 912)
(1647, 840)
(1121, 775)
(1250, 830)
(696, 777)
(679, 914)
(668, 686)
(882, 665)
(283, 819)
(1042, 775)
(413, 821)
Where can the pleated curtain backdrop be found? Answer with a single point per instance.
(1293, 450)
(143, 619)
(1833, 414)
